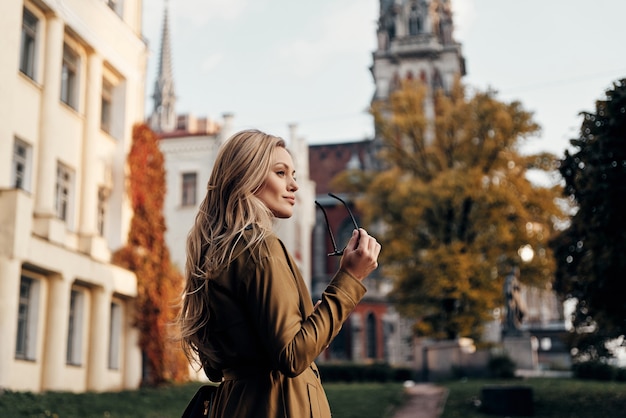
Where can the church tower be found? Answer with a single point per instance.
(163, 118)
(415, 42)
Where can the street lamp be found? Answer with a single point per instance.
(526, 253)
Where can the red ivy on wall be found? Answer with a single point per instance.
(158, 283)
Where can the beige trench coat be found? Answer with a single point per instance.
(263, 335)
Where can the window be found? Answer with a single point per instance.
(69, 78)
(28, 305)
(64, 191)
(415, 21)
(75, 328)
(437, 81)
(371, 338)
(105, 109)
(20, 171)
(103, 195)
(182, 122)
(115, 336)
(189, 189)
(340, 347)
(28, 43)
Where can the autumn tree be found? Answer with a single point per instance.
(146, 254)
(590, 253)
(455, 206)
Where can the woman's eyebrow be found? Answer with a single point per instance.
(285, 165)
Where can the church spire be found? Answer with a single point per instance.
(163, 118)
(415, 41)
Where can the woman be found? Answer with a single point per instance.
(247, 315)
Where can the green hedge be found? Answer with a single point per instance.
(597, 370)
(501, 367)
(376, 372)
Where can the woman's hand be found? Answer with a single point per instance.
(360, 256)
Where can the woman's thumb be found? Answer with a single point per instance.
(354, 240)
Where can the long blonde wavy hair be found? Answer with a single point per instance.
(229, 207)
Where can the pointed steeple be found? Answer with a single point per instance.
(163, 118)
(415, 42)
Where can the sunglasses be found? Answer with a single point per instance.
(336, 252)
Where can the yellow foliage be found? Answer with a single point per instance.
(455, 203)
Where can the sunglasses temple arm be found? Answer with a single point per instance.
(356, 226)
(330, 232)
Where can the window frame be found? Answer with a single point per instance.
(64, 193)
(27, 318)
(415, 22)
(70, 68)
(28, 44)
(21, 177)
(371, 336)
(75, 335)
(189, 188)
(115, 335)
(106, 106)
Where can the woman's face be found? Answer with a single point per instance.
(278, 189)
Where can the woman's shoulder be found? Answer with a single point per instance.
(265, 244)
(257, 256)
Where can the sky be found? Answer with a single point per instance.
(272, 63)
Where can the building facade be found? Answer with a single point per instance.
(72, 87)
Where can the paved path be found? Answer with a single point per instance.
(424, 401)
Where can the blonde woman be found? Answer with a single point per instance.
(247, 314)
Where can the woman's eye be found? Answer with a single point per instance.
(280, 173)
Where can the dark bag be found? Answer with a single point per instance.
(202, 402)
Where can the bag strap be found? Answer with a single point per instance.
(201, 405)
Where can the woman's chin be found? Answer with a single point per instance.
(283, 215)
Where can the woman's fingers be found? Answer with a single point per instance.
(361, 254)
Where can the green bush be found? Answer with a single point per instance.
(402, 374)
(501, 366)
(597, 370)
(376, 372)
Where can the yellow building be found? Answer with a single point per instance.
(71, 87)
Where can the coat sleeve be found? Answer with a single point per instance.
(292, 340)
